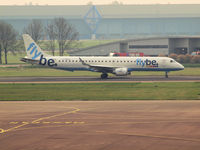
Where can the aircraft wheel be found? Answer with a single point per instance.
(104, 76)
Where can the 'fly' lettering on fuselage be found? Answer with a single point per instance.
(147, 63)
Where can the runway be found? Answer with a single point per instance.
(110, 125)
(97, 79)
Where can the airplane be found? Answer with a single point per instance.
(119, 66)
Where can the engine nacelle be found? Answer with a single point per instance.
(121, 71)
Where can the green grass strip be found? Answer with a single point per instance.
(33, 71)
(101, 91)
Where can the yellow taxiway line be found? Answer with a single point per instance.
(39, 120)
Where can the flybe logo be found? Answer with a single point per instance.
(33, 51)
(147, 63)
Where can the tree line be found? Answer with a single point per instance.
(186, 58)
(58, 30)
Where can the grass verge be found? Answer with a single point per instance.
(100, 91)
(35, 71)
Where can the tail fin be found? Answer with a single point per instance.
(33, 51)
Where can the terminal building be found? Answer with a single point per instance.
(151, 29)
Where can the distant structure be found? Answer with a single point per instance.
(92, 18)
(152, 29)
(113, 21)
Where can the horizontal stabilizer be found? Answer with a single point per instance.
(32, 61)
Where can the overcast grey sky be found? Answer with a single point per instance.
(95, 2)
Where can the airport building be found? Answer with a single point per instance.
(148, 46)
(151, 29)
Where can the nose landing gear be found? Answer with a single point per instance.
(166, 74)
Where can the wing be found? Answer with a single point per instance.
(99, 68)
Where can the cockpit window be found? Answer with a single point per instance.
(171, 61)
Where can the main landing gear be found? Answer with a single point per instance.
(104, 76)
(166, 74)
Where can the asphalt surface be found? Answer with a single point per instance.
(96, 79)
(111, 125)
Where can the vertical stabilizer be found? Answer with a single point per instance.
(32, 49)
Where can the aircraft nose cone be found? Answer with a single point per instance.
(181, 67)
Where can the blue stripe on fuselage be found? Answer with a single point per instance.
(129, 69)
(76, 69)
(154, 69)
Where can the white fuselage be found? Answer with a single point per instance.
(131, 63)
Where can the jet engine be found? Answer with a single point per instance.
(121, 71)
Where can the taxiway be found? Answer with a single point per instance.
(152, 125)
(96, 79)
